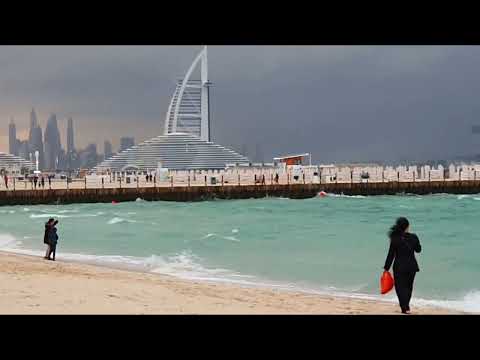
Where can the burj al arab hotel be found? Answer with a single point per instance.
(186, 143)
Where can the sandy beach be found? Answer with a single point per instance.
(31, 285)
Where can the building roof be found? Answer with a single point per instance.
(9, 161)
(291, 156)
(174, 151)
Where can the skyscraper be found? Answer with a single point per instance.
(71, 155)
(258, 153)
(33, 125)
(35, 142)
(23, 149)
(12, 138)
(189, 109)
(88, 156)
(107, 149)
(126, 142)
(70, 138)
(52, 143)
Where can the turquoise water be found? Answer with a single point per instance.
(335, 244)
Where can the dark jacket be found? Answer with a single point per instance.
(402, 250)
(45, 235)
(52, 235)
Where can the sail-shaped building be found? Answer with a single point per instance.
(186, 142)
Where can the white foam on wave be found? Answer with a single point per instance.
(40, 216)
(60, 216)
(469, 303)
(231, 238)
(67, 211)
(347, 196)
(234, 231)
(115, 220)
(216, 236)
(119, 220)
(8, 241)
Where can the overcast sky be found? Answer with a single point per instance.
(341, 103)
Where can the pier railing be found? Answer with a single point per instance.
(215, 180)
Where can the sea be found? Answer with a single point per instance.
(332, 245)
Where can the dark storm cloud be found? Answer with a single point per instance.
(340, 103)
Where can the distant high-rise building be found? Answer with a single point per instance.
(23, 150)
(35, 142)
(244, 150)
(33, 125)
(71, 155)
(107, 149)
(62, 160)
(258, 153)
(89, 157)
(70, 138)
(52, 143)
(12, 138)
(126, 142)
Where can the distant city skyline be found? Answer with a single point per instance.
(340, 103)
(22, 131)
(53, 153)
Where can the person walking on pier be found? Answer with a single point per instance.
(43, 182)
(49, 181)
(5, 178)
(403, 246)
(35, 180)
(276, 178)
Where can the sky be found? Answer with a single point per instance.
(340, 103)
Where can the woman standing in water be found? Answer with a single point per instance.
(403, 246)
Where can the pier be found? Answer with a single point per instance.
(212, 192)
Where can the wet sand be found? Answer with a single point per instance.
(32, 285)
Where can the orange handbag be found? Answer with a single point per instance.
(386, 282)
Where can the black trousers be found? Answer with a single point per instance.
(404, 288)
(52, 249)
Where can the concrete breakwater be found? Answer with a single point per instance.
(199, 193)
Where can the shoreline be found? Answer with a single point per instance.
(32, 285)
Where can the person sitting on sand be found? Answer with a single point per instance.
(52, 240)
(403, 246)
